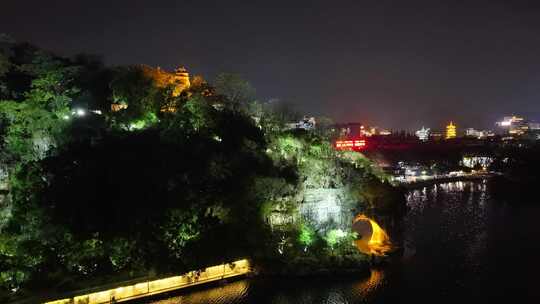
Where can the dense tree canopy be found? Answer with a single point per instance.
(112, 173)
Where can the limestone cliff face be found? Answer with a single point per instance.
(5, 201)
(3, 177)
(324, 207)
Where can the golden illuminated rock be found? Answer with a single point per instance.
(373, 239)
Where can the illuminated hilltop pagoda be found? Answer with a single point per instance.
(451, 131)
(179, 80)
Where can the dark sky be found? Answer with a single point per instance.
(396, 64)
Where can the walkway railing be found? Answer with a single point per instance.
(149, 288)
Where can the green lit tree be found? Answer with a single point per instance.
(36, 123)
(180, 228)
(306, 236)
(143, 99)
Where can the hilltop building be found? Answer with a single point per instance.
(307, 123)
(178, 80)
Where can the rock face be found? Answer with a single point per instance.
(322, 208)
(3, 178)
(5, 206)
(327, 206)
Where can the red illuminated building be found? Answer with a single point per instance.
(350, 136)
(350, 144)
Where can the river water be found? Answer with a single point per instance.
(461, 245)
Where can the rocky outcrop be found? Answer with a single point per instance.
(327, 206)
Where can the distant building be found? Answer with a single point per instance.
(423, 134)
(350, 130)
(510, 120)
(451, 131)
(436, 135)
(534, 126)
(514, 125)
(471, 132)
(307, 123)
(372, 131)
(476, 161)
(479, 134)
(350, 144)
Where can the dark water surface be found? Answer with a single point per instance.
(461, 245)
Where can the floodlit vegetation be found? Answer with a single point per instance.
(117, 173)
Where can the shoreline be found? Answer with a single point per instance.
(139, 290)
(449, 179)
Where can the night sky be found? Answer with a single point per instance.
(395, 64)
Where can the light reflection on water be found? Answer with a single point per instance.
(459, 244)
(228, 293)
(322, 290)
(366, 287)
